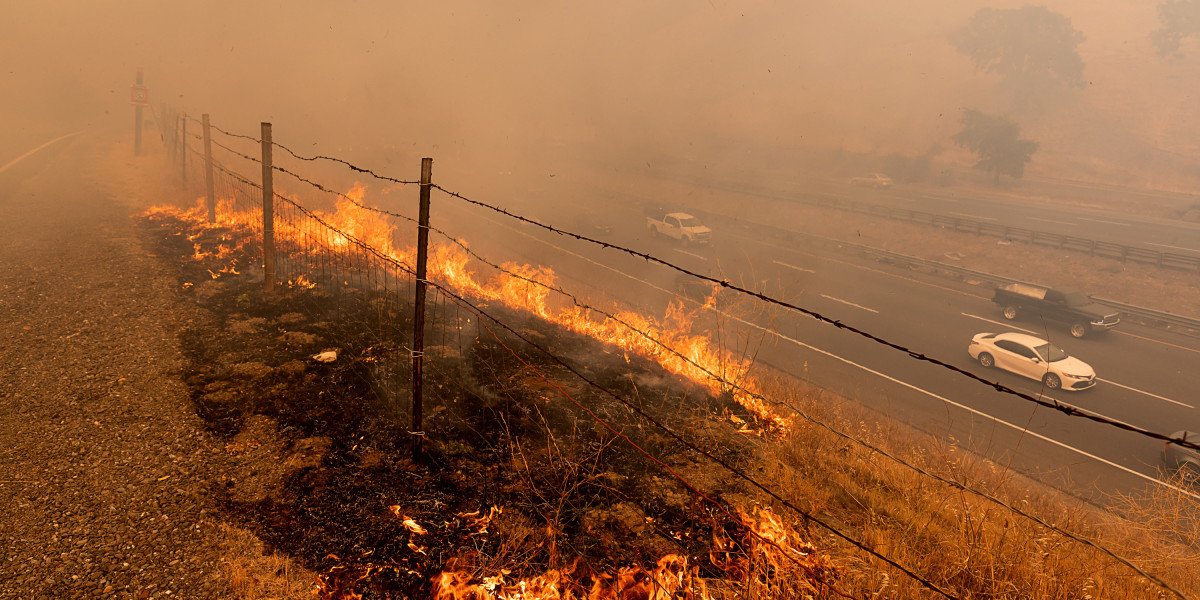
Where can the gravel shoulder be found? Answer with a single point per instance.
(105, 469)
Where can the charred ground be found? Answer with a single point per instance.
(326, 471)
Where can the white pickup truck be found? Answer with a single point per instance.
(677, 225)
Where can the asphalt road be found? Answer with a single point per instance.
(1161, 235)
(1148, 376)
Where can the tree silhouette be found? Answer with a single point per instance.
(1033, 49)
(997, 142)
(1180, 19)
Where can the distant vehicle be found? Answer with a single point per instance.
(1078, 312)
(677, 225)
(1032, 357)
(1181, 461)
(875, 180)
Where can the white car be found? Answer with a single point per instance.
(1034, 358)
(875, 180)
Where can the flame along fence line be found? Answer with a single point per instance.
(721, 379)
(1065, 409)
(460, 301)
(577, 302)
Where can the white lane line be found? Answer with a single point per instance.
(1103, 221)
(979, 413)
(849, 303)
(1140, 337)
(999, 323)
(793, 267)
(690, 254)
(1133, 389)
(973, 216)
(1170, 246)
(1055, 222)
(35, 150)
(861, 267)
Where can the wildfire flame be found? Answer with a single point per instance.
(450, 265)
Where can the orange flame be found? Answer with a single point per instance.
(676, 348)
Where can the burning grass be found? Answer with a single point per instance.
(524, 494)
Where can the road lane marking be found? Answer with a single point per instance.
(861, 267)
(973, 216)
(1133, 389)
(979, 413)
(794, 267)
(690, 254)
(1134, 335)
(36, 150)
(1055, 222)
(1103, 221)
(1170, 246)
(999, 323)
(849, 303)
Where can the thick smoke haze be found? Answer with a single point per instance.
(538, 87)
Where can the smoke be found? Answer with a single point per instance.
(536, 88)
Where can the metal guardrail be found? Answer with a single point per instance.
(1168, 260)
(1147, 315)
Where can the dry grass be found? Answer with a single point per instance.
(969, 545)
(255, 574)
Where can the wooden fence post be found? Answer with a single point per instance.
(268, 208)
(211, 197)
(183, 153)
(418, 350)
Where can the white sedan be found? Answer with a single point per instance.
(1034, 358)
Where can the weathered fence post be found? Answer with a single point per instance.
(268, 208)
(211, 197)
(137, 117)
(183, 153)
(418, 350)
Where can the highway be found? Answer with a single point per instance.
(1148, 376)
(1162, 235)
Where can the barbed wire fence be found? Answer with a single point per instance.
(341, 263)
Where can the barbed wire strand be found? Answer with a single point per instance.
(347, 164)
(1066, 409)
(677, 437)
(813, 314)
(463, 302)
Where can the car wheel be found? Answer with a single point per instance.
(1010, 312)
(1078, 330)
(986, 360)
(1052, 381)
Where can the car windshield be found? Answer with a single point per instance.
(1050, 353)
(688, 222)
